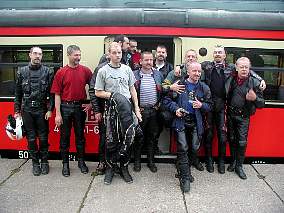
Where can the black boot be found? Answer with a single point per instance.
(185, 185)
(240, 160)
(209, 160)
(151, 165)
(34, 155)
(65, 170)
(240, 172)
(195, 161)
(209, 165)
(65, 163)
(221, 160)
(137, 166)
(221, 166)
(153, 168)
(125, 174)
(108, 176)
(44, 168)
(184, 171)
(232, 165)
(36, 168)
(44, 162)
(82, 165)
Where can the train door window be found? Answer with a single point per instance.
(12, 57)
(150, 44)
(268, 63)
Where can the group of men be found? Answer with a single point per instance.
(129, 100)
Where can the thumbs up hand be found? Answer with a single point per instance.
(251, 96)
(196, 104)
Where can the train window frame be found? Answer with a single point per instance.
(17, 56)
(270, 72)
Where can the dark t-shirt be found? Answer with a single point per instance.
(191, 96)
(217, 85)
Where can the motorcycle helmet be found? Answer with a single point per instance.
(14, 128)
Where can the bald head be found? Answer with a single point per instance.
(194, 72)
(190, 56)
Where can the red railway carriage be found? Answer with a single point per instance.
(245, 28)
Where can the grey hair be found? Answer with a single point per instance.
(243, 59)
(72, 48)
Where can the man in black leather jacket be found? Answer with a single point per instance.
(98, 105)
(32, 90)
(243, 97)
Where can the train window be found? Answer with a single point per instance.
(149, 44)
(268, 63)
(12, 57)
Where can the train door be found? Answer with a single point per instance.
(174, 55)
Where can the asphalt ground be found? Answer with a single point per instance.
(20, 191)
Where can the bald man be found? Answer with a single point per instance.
(189, 107)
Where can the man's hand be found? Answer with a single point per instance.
(251, 96)
(87, 107)
(138, 114)
(58, 120)
(262, 85)
(47, 115)
(178, 88)
(177, 72)
(196, 104)
(98, 117)
(179, 112)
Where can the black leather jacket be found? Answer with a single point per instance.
(208, 67)
(253, 83)
(26, 98)
(97, 103)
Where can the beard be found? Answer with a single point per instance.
(36, 61)
(218, 59)
(76, 62)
